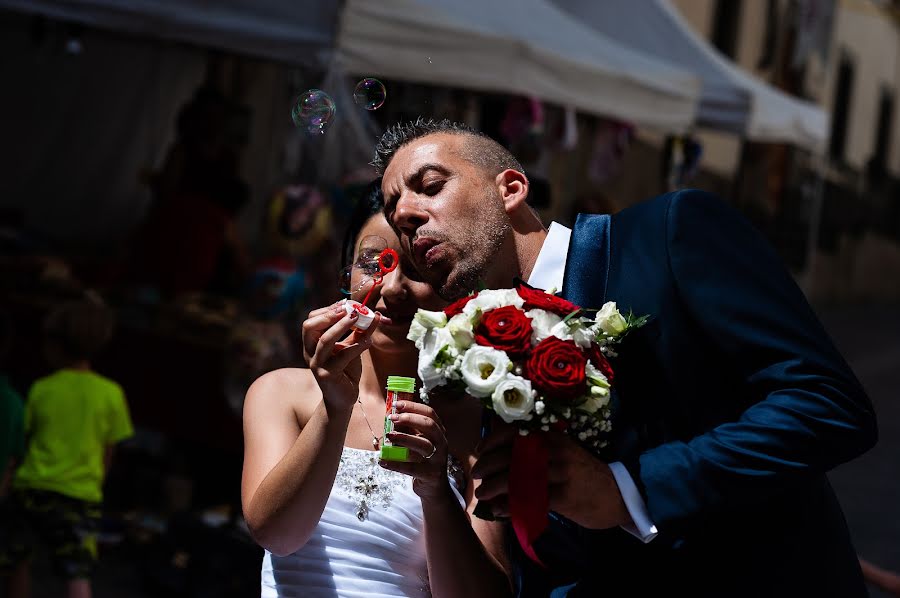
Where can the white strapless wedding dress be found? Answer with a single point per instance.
(369, 542)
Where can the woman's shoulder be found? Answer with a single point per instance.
(285, 388)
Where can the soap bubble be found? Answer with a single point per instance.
(369, 93)
(313, 111)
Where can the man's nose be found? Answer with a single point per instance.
(409, 215)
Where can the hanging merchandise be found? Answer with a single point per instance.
(611, 141)
(523, 128)
(682, 157)
(569, 139)
(299, 221)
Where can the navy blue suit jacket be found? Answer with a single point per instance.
(732, 405)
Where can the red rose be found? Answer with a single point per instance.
(600, 362)
(556, 368)
(457, 306)
(537, 299)
(505, 328)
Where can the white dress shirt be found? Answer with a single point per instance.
(547, 274)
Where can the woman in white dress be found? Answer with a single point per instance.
(333, 521)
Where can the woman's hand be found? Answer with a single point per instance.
(335, 363)
(418, 428)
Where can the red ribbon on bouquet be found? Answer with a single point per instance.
(528, 495)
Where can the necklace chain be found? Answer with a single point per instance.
(375, 439)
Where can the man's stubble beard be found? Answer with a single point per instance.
(490, 233)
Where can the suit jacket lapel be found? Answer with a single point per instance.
(587, 262)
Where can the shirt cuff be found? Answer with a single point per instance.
(641, 528)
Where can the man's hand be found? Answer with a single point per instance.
(581, 487)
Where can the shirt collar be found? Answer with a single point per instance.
(550, 266)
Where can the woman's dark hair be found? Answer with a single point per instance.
(370, 202)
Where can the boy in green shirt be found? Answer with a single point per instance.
(73, 419)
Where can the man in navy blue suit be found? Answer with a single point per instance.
(733, 402)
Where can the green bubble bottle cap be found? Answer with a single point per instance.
(401, 384)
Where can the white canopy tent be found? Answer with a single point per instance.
(299, 32)
(527, 47)
(731, 100)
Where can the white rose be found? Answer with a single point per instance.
(482, 369)
(492, 299)
(610, 320)
(542, 323)
(460, 328)
(513, 399)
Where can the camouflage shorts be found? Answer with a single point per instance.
(66, 526)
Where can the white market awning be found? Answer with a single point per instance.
(523, 47)
(731, 99)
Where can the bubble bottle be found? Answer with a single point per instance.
(399, 388)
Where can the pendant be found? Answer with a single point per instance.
(375, 442)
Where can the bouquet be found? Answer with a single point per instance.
(537, 361)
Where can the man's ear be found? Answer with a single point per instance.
(513, 186)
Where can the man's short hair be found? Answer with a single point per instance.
(479, 149)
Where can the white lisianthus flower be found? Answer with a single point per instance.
(609, 320)
(430, 319)
(436, 353)
(482, 369)
(594, 404)
(561, 331)
(574, 330)
(542, 323)
(429, 375)
(582, 333)
(460, 328)
(595, 377)
(600, 393)
(492, 299)
(513, 399)
(416, 333)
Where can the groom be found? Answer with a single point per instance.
(734, 402)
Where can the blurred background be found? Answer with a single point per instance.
(169, 161)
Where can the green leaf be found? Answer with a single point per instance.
(443, 357)
(633, 321)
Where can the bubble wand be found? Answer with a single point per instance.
(387, 263)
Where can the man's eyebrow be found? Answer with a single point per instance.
(414, 178)
(418, 174)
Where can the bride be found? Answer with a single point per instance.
(333, 520)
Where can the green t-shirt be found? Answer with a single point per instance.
(71, 417)
(12, 424)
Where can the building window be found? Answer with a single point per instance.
(725, 26)
(840, 111)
